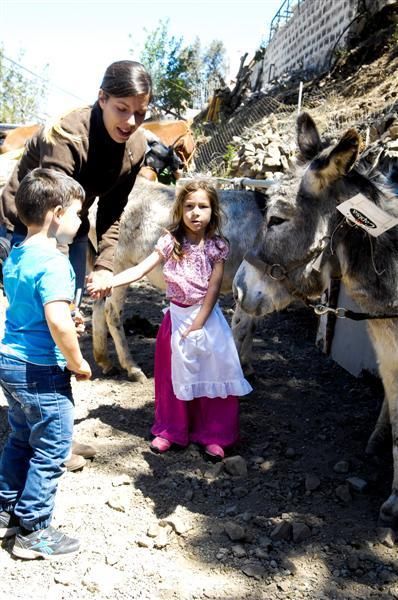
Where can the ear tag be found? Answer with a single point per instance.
(317, 263)
(364, 213)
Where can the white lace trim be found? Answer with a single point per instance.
(237, 387)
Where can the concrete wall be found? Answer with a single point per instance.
(307, 40)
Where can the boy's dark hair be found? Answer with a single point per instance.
(42, 190)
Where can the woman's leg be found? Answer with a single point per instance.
(171, 414)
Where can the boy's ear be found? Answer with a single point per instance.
(58, 211)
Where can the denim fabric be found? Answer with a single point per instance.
(40, 414)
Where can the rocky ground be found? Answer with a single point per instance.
(291, 513)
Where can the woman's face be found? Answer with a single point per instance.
(122, 116)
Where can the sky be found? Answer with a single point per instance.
(78, 39)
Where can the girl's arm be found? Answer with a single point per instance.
(210, 300)
(125, 277)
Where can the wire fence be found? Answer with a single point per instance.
(332, 114)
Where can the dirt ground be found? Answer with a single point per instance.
(278, 522)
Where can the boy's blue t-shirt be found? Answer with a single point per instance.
(34, 274)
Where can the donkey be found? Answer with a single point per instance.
(304, 239)
(145, 217)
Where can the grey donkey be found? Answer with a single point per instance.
(305, 238)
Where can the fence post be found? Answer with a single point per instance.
(300, 96)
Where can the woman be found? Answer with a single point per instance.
(100, 147)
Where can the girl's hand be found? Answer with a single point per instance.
(188, 331)
(99, 284)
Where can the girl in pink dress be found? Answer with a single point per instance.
(197, 370)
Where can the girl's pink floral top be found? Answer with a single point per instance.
(187, 279)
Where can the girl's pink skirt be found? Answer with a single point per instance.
(201, 420)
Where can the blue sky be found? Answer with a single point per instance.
(79, 38)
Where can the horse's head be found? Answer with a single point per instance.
(291, 255)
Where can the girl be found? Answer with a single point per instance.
(197, 371)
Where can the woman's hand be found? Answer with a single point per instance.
(99, 284)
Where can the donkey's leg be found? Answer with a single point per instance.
(389, 374)
(113, 313)
(381, 432)
(100, 337)
(243, 328)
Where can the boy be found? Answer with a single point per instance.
(39, 351)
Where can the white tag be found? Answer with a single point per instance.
(365, 214)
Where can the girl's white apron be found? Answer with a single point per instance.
(206, 362)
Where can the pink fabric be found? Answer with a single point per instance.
(202, 420)
(187, 280)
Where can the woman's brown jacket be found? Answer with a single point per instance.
(103, 167)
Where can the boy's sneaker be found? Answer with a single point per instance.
(9, 524)
(45, 543)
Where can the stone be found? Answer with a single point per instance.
(386, 536)
(153, 530)
(255, 571)
(312, 482)
(357, 484)
(179, 526)
(163, 539)
(236, 466)
(234, 531)
(282, 531)
(123, 479)
(290, 453)
(100, 579)
(300, 532)
(238, 551)
(343, 493)
(341, 467)
(118, 502)
(65, 577)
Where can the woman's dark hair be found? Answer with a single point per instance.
(126, 78)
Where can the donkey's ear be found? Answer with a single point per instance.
(345, 153)
(308, 139)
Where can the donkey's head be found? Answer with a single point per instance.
(300, 218)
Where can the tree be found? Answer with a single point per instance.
(182, 75)
(20, 95)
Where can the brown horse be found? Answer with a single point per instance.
(13, 139)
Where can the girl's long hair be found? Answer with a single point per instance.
(177, 229)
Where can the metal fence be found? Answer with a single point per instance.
(331, 113)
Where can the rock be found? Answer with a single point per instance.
(236, 466)
(300, 532)
(282, 531)
(312, 482)
(66, 577)
(357, 484)
(162, 540)
(123, 479)
(343, 493)
(118, 502)
(238, 551)
(145, 543)
(240, 491)
(101, 579)
(261, 553)
(386, 536)
(290, 453)
(153, 530)
(234, 531)
(255, 571)
(342, 466)
(214, 471)
(177, 523)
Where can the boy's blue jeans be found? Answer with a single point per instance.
(40, 414)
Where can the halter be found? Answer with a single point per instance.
(279, 272)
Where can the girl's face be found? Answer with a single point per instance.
(122, 116)
(196, 213)
(69, 223)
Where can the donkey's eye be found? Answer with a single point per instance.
(275, 221)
